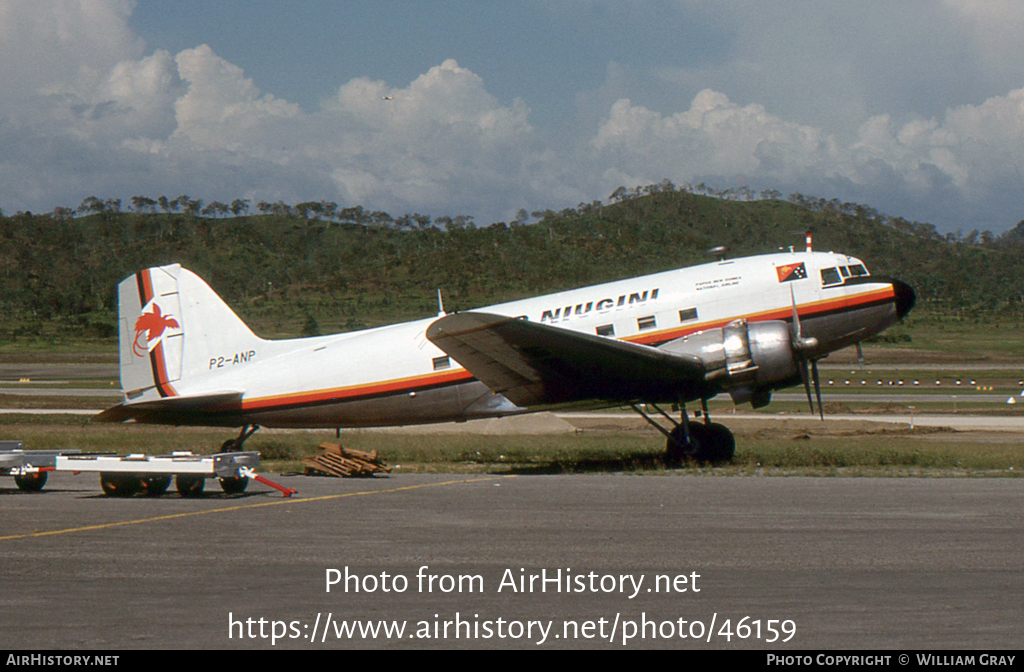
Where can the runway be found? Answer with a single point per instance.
(860, 563)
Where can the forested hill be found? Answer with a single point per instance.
(318, 269)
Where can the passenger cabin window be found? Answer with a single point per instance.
(442, 363)
(687, 314)
(830, 276)
(648, 322)
(606, 330)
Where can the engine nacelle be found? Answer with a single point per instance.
(746, 360)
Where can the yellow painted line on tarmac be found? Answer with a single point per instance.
(227, 509)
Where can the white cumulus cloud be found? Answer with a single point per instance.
(87, 110)
(713, 137)
(972, 156)
(62, 46)
(223, 110)
(443, 138)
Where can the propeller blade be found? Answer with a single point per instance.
(807, 383)
(800, 344)
(860, 355)
(817, 389)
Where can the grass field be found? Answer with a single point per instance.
(776, 449)
(963, 338)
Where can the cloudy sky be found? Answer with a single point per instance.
(447, 107)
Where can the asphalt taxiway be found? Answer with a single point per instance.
(859, 563)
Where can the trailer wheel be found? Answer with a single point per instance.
(188, 485)
(31, 482)
(120, 485)
(233, 485)
(154, 486)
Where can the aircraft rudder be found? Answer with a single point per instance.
(173, 328)
(150, 333)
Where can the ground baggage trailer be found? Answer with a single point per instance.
(151, 474)
(29, 467)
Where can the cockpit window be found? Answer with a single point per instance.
(845, 270)
(858, 270)
(830, 276)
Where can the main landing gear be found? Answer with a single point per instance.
(692, 441)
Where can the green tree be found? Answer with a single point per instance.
(239, 206)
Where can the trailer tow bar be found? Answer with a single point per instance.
(248, 472)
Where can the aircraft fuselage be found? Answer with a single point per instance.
(394, 375)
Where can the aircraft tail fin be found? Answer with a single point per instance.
(174, 328)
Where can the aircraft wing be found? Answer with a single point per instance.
(532, 363)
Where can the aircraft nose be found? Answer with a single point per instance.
(905, 297)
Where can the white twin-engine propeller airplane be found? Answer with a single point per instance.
(744, 326)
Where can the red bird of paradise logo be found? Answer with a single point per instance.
(152, 325)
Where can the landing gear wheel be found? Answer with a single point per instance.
(189, 486)
(708, 444)
(31, 482)
(235, 445)
(120, 485)
(154, 486)
(686, 443)
(721, 444)
(234, 485)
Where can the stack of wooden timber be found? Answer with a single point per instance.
(342, 462)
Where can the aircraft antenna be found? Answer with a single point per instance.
(440, 304)
(807, 238)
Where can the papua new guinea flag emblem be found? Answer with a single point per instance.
(791, 272)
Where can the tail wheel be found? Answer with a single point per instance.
(154, 486)
(234, 485)
(235, 445)
(33, 482)
(120, 485)
(189, 486)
